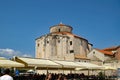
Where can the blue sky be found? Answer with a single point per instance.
(22, 21)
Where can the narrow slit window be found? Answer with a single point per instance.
(70, 42)
(38, 45)
(47, 41)
(59, 30)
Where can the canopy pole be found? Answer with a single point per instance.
(35, 68)
(63, 71)
(47, 70)
(88, 72)
(71, 71)
(104, 73)
(14, 69)
(63, 68)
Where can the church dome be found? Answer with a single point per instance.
(61, 28)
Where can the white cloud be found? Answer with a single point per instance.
(26, 55)
(9, 53)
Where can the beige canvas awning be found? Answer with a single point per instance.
(68, 64)
(32, 62)
(106, 67)
(9, 63)
(89, 65)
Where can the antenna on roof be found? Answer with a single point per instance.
(61, 22)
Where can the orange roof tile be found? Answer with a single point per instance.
(111, 48)
(61, 24)
(68, 33)
(105, 52)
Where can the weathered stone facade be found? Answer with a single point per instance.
(62, 44)
(117, 55)
(108, 56)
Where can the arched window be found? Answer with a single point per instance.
(38, 45)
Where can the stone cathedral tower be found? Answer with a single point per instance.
(62, 44)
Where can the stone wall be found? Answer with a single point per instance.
(60, 29)
(61, 46)
(117, 55)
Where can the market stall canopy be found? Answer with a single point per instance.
(78, 69)
(34, 62)
(8, 63)
(118, 65)
(90, 65)
(106, 67)
(68, 64)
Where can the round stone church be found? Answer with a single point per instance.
(62, 44)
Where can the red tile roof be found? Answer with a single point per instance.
(111, 48)
(105, 52)
(61, 24)
(68, 33)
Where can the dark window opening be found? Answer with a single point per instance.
(38, 45)
(59, 30)
(93, 52)
(58, 41)
(47, 41)
(71, 51)
(70, 42)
